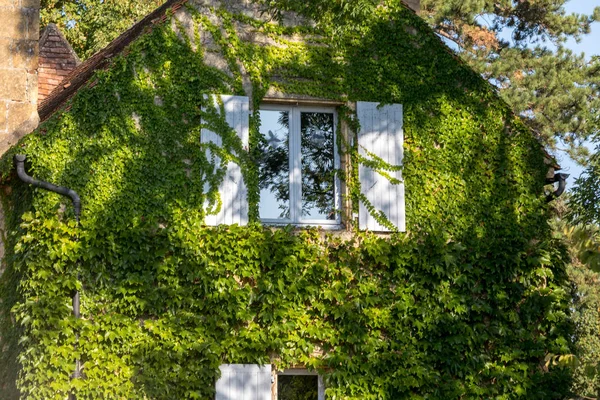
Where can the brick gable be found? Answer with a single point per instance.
(56, 60)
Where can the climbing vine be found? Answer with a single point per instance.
(466, 304)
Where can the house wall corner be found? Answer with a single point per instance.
(19, 35)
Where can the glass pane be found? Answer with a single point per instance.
(318, 175)
(274, 167)
(297, 387)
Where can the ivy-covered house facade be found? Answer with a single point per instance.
(275, 204)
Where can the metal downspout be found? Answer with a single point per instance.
(562, 184)
(19, 160)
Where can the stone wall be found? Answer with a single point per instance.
(413, 4)
(19, 34)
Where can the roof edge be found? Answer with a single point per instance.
(84, 71)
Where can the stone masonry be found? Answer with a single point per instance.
(413, 4)
(57, 59)
(19, 34)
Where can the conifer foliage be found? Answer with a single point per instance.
(521, 47)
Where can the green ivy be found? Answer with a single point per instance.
(467, 304)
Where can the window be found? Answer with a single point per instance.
(299, 384)
(297, 164)
(255, 382)
(297, 160)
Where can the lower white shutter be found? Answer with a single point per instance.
(380, 142)
(244, 382)
(232, 189)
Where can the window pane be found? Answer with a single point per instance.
(274, 167)
(297, 387)
(318, 175)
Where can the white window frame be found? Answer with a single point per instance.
(300, 371)
(295, 168)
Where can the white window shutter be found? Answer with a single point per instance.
(381, 137)
(244, 382)
(232, 190)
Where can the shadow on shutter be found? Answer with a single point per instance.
(244, 382)
(380, 142)
(231, 188)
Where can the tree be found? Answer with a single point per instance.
(583, 242)
(555, 90)
(584, 201)
(89, 25)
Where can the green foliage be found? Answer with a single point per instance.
(586, 317)
(554, 89)
(583, 243)
(467, 304)
(89, 25)
(10, 333)
(584, 199)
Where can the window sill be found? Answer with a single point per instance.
(332, 226)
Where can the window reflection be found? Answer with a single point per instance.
(318, 175)
(297, 387)
(274, 170)
(304, 142)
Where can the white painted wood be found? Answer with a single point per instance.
(232, 190)
(298, 371)
(244, 382)
(381, 135)
(321, 388)
(295, 166)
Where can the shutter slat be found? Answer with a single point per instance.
(222, 386)
(242, 190)
(364, 115)
(236, 173)
(399, 155)
(245, 136)
(232, 190)
(244, 382)
(381, 134)
(229, 196)
(392, 128)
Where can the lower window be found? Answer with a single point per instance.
(299, 384)
(259, 382)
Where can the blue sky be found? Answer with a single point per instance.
(590, 45)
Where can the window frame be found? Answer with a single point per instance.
(301, 372)
(295, 167)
